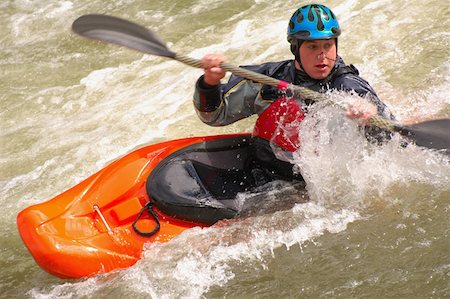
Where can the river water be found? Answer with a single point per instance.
(377, 221)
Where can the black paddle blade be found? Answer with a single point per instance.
(121, 32)
(434, 134)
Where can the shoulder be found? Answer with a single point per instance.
(351, 82)
(347, 78)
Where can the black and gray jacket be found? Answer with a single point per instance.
(240, 98)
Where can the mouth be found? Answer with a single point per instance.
(321, 66)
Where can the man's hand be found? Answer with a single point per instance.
(361, 111)
(213, 71)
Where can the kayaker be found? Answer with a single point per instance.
(312, 32)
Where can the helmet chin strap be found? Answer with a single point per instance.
(325, 56)
(295, 49)
(330, 58)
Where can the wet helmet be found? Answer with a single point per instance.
(313, 21)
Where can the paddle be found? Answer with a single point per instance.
(434, 134)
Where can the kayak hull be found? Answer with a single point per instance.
(87, 230)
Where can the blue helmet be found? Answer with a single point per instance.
(313, 21)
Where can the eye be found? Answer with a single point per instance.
(328, 45)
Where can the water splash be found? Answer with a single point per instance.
(337, 159)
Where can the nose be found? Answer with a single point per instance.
(321, 55)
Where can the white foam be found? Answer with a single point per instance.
(70, 289)
(55, 12)
(376, 4)
(337, 161)
(241, 31)
(345, 10)
(97, 79)
(27, 25)
(33, 175)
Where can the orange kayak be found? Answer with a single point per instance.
(150, 195)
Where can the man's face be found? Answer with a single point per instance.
(318, 57)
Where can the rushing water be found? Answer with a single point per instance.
(377, 221)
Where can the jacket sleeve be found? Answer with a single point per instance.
(226, 103)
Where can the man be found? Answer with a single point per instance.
(313, 36)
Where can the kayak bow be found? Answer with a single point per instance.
(96, 226)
